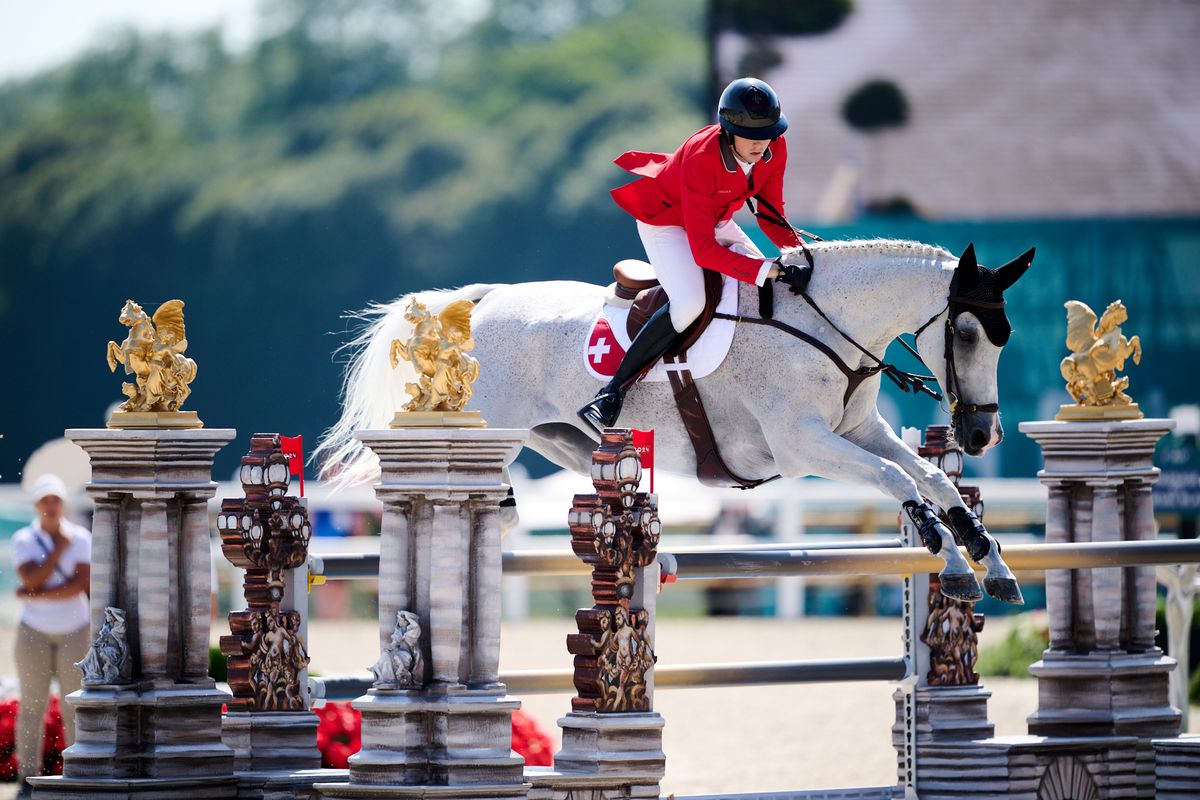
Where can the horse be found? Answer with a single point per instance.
(777, 404)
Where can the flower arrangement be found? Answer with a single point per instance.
(53, 740)
(339, 736)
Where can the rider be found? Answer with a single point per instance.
(684, 203)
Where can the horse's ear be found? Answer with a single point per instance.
(1007, 275)
(968, 270)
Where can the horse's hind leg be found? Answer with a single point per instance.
(812, 449)
(877, 437)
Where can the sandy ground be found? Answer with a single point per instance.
(723, 740)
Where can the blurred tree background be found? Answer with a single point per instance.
(358, 151)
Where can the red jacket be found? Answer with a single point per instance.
(699, 186)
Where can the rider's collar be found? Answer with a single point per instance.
(730, 161)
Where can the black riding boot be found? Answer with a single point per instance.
(652, 341)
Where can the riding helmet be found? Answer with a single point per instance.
(750, 108)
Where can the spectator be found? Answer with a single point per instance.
(52, 557)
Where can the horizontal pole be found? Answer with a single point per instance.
(824, 559)
(351, 566)
(684, 676)
(909, 560)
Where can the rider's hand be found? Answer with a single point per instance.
(795, 277)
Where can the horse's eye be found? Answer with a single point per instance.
(967, 336)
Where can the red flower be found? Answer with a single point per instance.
(339, 736)
(530, 741)
(53, 739)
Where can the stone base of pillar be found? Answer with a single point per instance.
(1033, 767)
(945, 714)
(458, 792)
(284, 785)
(550, 784)
(271, 741)
(123, 732)
(224, 787)
(1177, 767)
(416, 741)
(625, 749)
(1104, 694)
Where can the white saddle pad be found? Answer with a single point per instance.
(607, 342)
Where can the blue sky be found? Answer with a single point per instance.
(34, 36)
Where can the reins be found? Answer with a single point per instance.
(906, 381)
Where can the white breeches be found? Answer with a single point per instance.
(681, 277)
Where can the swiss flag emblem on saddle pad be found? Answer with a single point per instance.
(604, 352)
(607, 341)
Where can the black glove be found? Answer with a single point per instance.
(795, 277)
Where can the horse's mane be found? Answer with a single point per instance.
(892, 247)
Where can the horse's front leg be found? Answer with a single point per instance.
(808, 447)
(877, 437)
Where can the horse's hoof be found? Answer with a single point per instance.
(1005, 589)
(961, 586)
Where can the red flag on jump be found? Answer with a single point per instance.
(293, 450)
(643, 442)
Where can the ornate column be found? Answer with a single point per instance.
(1102, 675)
(1060, 598)
(1139, 507)
(266, 533)
(1109, 611)
(148, 717)
(612, 738)
(941, 710)
(437, 721)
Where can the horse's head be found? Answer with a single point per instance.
(965, 354)
(131, 314)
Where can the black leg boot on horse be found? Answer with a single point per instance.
(958, 580)
(983, 549)
(652, 342)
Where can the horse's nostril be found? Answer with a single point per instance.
(979, 439)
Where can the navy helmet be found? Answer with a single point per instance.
(750, 108)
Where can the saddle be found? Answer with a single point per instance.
(635, 281)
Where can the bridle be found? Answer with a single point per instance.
(906, 381)
(955, 304)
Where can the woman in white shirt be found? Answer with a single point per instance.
(53, 562)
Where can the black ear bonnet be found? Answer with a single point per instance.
(980, 290)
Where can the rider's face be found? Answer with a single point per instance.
(750, 151)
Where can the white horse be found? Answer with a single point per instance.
(776, 402)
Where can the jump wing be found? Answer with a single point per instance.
(1081, 325)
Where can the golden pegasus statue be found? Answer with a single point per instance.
(438, 350)
(153, 354)
(1098, 351)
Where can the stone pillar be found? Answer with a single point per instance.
(612, 738)
(1060, 593)
(437, 721)
(148, 719)
(1102, 675)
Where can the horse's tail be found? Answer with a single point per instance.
(372, 391)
